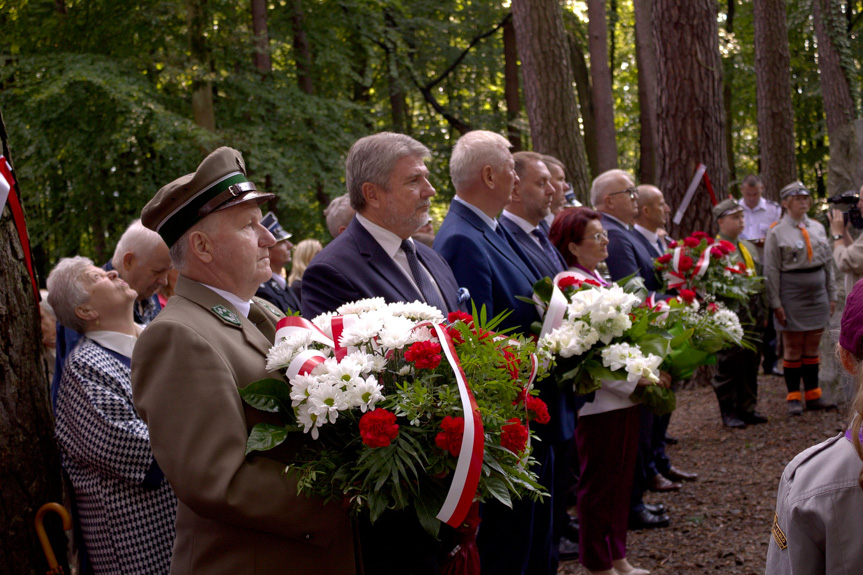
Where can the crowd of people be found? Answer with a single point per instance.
(152, 348)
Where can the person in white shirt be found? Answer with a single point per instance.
(759, 212)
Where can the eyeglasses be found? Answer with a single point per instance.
(598, 237)
(633, 193)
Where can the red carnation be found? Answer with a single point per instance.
(672, 244)
(568, 281)
(712, 307)
(450, 438)
(709, 241)
(424, 354)
(691, 242)
(511, 363)
(459, 316)
(592, 283)
(664, 258)
(717, 252)
(378, 428)
(454, 333)
(685, 264)
(513, 435)
(537, 410)
(727, 246)
(700, 235)
(741, 266)
(687, 295)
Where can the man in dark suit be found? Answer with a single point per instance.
(387, 181)
(275, 290)
(522, 218)
(388, 185)
(490, 263)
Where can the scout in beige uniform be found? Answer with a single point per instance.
(819, 508)
(237, 514)
(736, 379)
(798, 267)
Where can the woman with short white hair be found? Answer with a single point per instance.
(126, 508)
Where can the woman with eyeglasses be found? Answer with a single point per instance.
(798, 267)
(607, 431)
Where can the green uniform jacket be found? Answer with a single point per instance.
(237, 515)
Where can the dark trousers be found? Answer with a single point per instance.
(651, 459)
(396, 544)
(607, 448)
(736, 379)
(769, 347)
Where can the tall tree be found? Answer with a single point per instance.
(302, 48)
(600, 75)
(773, 89)
(689, 108)
(833, 51)
(549, 98)
(728, 94)
(645, 55)
(512, 93)
(29, 462)
(202, 87)
(262, 37)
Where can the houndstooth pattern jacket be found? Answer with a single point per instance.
(126, 507)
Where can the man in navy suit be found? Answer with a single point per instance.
(387, 181)
(490, 263)
(388, 186)
(276, 290)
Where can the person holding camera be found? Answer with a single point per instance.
(802, 294)
(847, 253)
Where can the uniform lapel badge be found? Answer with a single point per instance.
(266, 305)
(778, 535)
(226, 315)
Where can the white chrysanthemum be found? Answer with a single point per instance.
(324, 323)
(342, 372)
(281, 354)
(327, 401)
(397, 332)
(362, 331)
(375, 364)
(300, 386)
(729, 321)
(359, 307)
(365, 394)
(309, 420)
(417, 311)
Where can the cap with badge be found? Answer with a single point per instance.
(271, 222)
(726, 208)
(793, 189)
(218, 183)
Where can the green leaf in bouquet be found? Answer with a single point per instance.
(659, 400)
(634, 284)
(640, 328)
(680, 336)
(377, 503)
(271, 395)
(427, 515)
(265, 436)
(499, 490)
(658, 344)
(543, 289)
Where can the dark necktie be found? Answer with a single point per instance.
(550, 250)
(259, 318)
(427, 288)
(660, 246)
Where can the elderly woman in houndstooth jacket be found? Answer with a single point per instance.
(125, 507)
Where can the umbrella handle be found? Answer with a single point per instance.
(54, 567)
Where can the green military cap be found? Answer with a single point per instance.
(726, 207)
(218, 183)
(793, 189)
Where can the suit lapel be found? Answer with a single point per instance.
(378, 260)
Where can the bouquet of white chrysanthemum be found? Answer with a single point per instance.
(403, 409)
(597, 333)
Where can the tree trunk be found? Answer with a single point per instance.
(581, 77)
(689, 106)
(262, 37)
(550, 101)
(773, 89)
(202, 88)
(29, 462)
(511, 91)
(728, 100)
(302, 49)
(838, 102)
(600, 75)
(645, 58)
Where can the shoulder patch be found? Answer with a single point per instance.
(226, 315)
(778, 535)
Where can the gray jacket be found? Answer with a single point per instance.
(818, 525)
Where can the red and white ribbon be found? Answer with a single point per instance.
(703, 263)
(292, 324)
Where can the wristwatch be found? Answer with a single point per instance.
(837, 237)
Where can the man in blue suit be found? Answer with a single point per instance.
(490, 263)
(387, 181)
(276, 289)
(388, 186)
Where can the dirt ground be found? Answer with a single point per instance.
(721, 522)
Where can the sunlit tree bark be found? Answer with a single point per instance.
(600, 75)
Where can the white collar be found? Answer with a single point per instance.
(651, 236)
(762, 205)
(490, 222)
(115, 341)
(618, 220)
(241, 306)
(280, 280)
(389, 241)
(522, 223)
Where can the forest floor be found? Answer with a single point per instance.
(721, 522)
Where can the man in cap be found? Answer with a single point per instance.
(275, 290)
(236, 514)
(736, 379)
(388, 185)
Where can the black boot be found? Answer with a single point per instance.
(726, 411)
